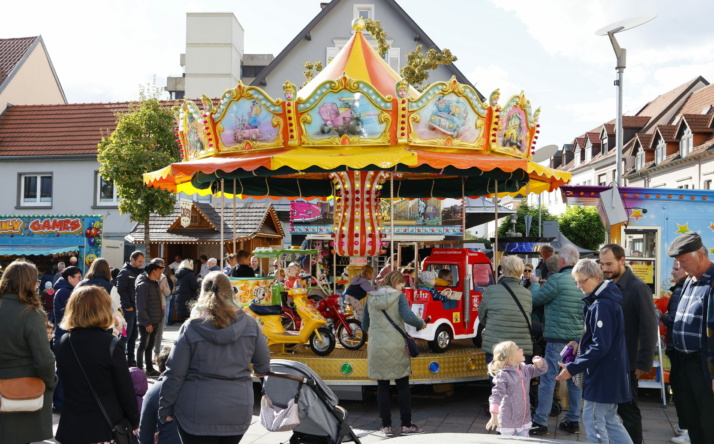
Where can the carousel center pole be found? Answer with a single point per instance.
(235, 212)
(391, 221)
(495, 243)
(223, 208)
(463, 209)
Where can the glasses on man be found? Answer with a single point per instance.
(583, 281)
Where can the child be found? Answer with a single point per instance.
(427, 281)
(510, 408)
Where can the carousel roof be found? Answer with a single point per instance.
(358, 114)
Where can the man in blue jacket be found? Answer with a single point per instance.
(126, 286)
(692, 376)
(603, 356)
(71, 276)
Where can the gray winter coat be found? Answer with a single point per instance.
(563, 306)
(387, 356)
(148, 301)
(25, 351)
(510, 394)
(503, 319)
(208, 388)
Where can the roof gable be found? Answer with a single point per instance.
(304, 34)
(12, 53)
(697, 124)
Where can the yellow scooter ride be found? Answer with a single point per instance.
(322, 341)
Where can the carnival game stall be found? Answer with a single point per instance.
(47, 240)
(359, 133)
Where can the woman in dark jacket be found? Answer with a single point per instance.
(98, 275)
(210, 402)
(87, 317)
(24, 352)
(186, 288)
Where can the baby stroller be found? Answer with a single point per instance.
(322, 421)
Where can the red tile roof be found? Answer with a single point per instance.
(594, 138)
(11, 52)
(44, 130)
(661, 103)
(645, 140)
(699, 102)
(609, 128)
(697, 123)
(635, 121)
(667, 132)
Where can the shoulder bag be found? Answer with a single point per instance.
(122, 431)
(21, 395)
(277, 419)
(412, 347)
(537, 350)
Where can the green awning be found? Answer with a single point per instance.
(36, 250)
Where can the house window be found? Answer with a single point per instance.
(577, 157)
(588, 151)
(363, 11)
(106, 193)
(604, 144)
(392, 58)
(659, 152)
(331, 52)
(685, 144)
(35, 190)
(708, 184)
(602, 179)
(640, 159)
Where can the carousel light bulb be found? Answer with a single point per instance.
(369, 227)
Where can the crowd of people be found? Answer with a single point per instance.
(95, 374)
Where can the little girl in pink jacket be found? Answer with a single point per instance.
(509, 400)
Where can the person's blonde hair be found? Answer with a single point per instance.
(512, 266)
(217, 303)
(186, 263)
(367, 271)
(20, 279)
(394, 278)
(89, 306)
(99, 266)
(501, 353)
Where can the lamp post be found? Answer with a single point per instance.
(621, 54)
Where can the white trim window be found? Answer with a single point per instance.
(577, 156)
(107, 194)
(366, 11)
(36, 190)
(640, 159)
(588, 151)
(603, 144)
(659, 152)
(393, 58)
(331, 53)
(685, 144)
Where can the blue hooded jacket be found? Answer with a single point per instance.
(604, 355)
(63, 290)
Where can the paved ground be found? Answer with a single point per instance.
(456, 417)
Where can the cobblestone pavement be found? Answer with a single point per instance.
(459, 411)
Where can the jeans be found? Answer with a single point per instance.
(159, 337)
(630, 413)
(695, 400)
(131, 333)
(404, 396)
(169, 308)
(602, 424)
(546, 388)
(146, 345)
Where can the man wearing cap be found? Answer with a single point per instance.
(692, 374)
(149, 313)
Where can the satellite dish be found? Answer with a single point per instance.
(626, 24)
(544, 153)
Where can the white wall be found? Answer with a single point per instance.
(33, 84)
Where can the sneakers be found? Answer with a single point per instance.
(411, 429)
(152, 373)
(387, 432)
(538, 430)
(681, 439)
(569, 426)
(679, 431)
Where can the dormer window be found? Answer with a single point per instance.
(685, 143)
(588, 151)
(659, 152)
(640, 159)
(577, 156)
(604, 144)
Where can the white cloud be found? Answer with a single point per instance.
(489, 78)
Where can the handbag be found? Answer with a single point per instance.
(278, 419)
(579, 379)
(537, 350)
(122, 432)
(21, 395)
(412, 347)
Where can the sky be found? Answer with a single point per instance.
(104, 51)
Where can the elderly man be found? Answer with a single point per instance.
(149, 313)
(603, 356)
(641, 329)
(692, 374)
(213, 264)
(563, 324)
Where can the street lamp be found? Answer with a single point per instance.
(621, 54)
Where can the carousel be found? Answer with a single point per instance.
(359, 134)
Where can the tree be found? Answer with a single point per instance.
(308, 73)
(143, 141)
(525, 210)
(416, 71)
(583, 226)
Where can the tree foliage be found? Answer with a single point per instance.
(523, 210)
(311, 69)
(143, 141)
(583, 226)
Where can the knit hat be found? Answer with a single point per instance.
(427, 277)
